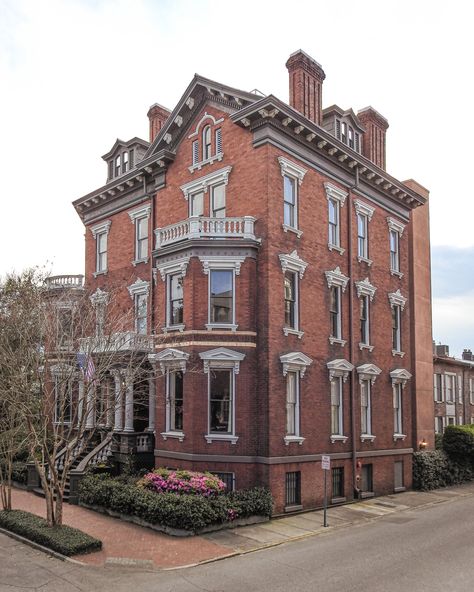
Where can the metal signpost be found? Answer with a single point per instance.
(326, 466)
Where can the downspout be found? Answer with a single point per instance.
(355, 484)
(150, 246)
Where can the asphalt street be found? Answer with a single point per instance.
(427, 548)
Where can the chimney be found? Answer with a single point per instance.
(373, 143)
(157, 116)
(467, 355)
(306, 83)
(442, 351)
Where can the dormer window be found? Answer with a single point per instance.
(206, 142)
(124, 162)
(347, 134)
(121, 164)
(118, 160)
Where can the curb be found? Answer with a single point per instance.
(38, 547)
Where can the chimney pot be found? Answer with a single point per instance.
(157, 116)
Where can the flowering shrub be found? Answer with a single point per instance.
(183, 482)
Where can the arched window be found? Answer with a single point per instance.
(206, 142)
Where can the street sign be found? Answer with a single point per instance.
(326, 462)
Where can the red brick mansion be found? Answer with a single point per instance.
(280, 279)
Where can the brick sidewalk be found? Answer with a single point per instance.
(128, 544)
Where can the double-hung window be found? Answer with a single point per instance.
(438, 387)
(141, 305)
(365, 407)
(175, 300)
(450, 388)
(141, 233)
(396, 328)
(335, 311)
(218, 201)
(221, 297)
(175, 401)
(292, 404)
(364, 319)
(196, 204)
(206, 143)
(362, 238)
(221, 393)
(290, 279)
(293, 268)
(337, 428)
(100, 234)
(336, 198)
(397, 409)
(395, 232)
(290, 216)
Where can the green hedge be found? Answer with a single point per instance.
(458, 443)
(433, 469)
(63, 539)
(189, 512)
(20, 472)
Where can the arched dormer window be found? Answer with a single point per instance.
(206, 142)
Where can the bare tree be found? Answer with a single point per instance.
(67, 346)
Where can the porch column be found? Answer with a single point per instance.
(109, 401)
(80, 402)
(151, 401)
(90, 419)
(118, 401)
(128, 401)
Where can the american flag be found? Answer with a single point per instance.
(86, 364)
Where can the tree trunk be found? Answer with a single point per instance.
(59, 508)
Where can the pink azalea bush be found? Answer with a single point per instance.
(183, 482)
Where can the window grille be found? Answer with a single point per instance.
(293, 488)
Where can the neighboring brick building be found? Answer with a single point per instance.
(286, 291)
(453, 388)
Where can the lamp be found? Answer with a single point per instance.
(423, 444)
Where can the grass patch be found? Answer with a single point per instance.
(62, 539)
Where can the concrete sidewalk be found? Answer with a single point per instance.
(128, 544)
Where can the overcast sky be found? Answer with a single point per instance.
(77, 74)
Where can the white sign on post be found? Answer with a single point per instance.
(326, 462)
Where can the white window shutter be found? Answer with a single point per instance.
(443, 386)
(435, 387)
(459, 381)
(218, 141)
(195, 151)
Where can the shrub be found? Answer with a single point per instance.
(430, 470)
(63, 539)
(183, 482)
(439, 441)
(186, 511)
(458, 443)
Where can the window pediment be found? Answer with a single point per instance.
(400, 376)
(396, 299)
(221, 357)
(339, 368)
(364, 209)
(170, 359)
(292, 262)
(295, 362)
(171, 267)
(333, 192)
(365, 288)
(203, 183)
(207, 117)
(139, 287)
(336, 278)
(142, 212)
(221, 262)
(292, 169)
(368, 372)
(395, 225)
(99, 228)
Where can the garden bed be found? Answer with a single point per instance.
(180, 509)
(62, 539)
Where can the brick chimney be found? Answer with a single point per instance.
(157, 116)
(306, 83)
(373, 143)
(467, 355)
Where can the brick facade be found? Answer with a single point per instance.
(262, 140)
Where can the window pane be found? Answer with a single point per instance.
(175, 300)
(141, 313)
(290, 300)
(220, 399)
(334, 311)
(197, 204)
(289, 197)
(176, 400)
(218, 201)
(291, 401)
(336, 428)
(222, 296)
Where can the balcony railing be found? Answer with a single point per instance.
(65, 281)
(198, 227)
(117, 342)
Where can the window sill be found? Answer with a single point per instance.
(337, 248)
(170, 328)
(177, 435)
(338, 500)
(366, 494)
(397, 273)
(337, 341)
(364, 260)
(137, 261)
(221, 438)
(395, 352)
(198, 166)
(366, 346)
(287, 228)
(399, 437)
(367, 438)
(296, 439)
(211, 326)
(294, 508)
(399, 489)
(289, 331)
(96, 273)
(338, 438)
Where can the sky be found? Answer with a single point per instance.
(77, 74)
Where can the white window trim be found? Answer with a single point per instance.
(294, 264)
(202, 120)
(170, 359)
(169, 433)
(454, 387)
(400, 376)
(337, 279)
(224, 263)
(396, 299)
(135, 216)
(203, 183)
(396, 226)
(223, 359)
(103, 227)
(339, 370)
(364, 287)
(368, 372)
(294, 171)
(339, 196)
(176, 267)
(367, 212)
(295, 362)
(295, 438)
(138, 288)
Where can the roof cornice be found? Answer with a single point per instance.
(271, 111)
